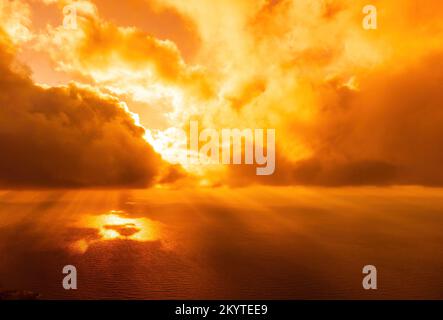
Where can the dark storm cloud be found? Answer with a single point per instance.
(389, 132)
(66, 136)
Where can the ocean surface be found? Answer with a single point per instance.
(251, 243)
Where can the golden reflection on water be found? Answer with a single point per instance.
(115, 225)
(215, 244)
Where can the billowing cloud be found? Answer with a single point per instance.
(346, 102)
(68, 136)
(339, 96)
(388, 132)
(15, 17)
(147, 72)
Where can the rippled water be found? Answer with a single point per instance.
(261, 243)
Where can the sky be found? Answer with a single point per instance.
(102, 105)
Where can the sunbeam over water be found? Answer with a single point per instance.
(167, 244)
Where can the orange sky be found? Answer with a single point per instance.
(350, 106)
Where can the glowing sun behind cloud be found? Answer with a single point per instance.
(305, 68)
